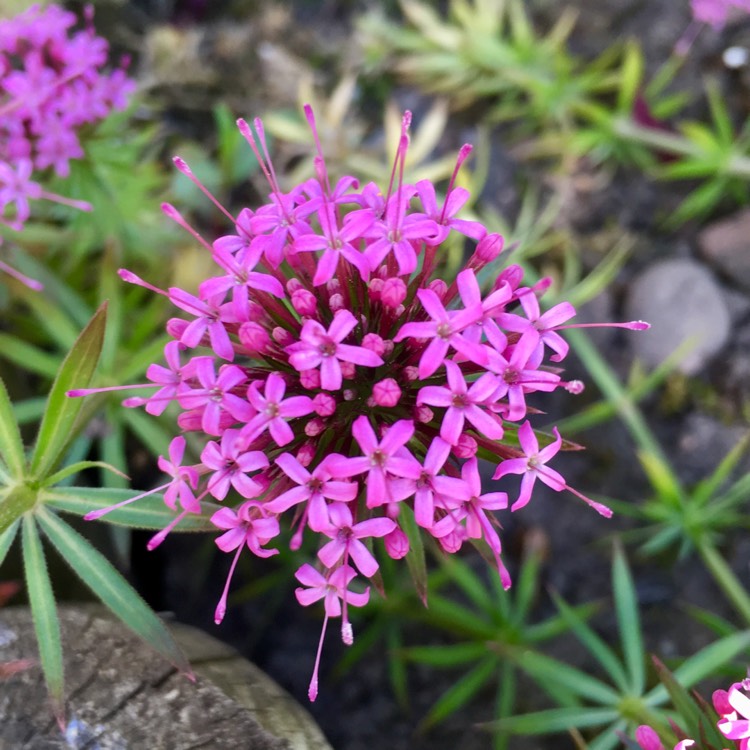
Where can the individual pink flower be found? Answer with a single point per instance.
(320, 348)
(715, 12)
(383, 460)
(444, 331)
(463, 403)
(346, 539)
(230, 466)
(248, 527)
(312, 488)
(333, 590)
(184, 478)
(273, 410)
(735, 725)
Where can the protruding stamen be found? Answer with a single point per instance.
(94, 514)
(312, 691)
(463, 154)
(177, 217)
(159, 537)
(221, 607)
(132, 278)
(37, 286)
(182, 165)
(72, 202)
(78, 392)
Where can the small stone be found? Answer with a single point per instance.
(726, 245)
(682, 301)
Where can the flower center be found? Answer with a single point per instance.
(328, 348)
(443, 330)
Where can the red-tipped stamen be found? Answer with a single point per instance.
(37, 286)
(79, 392)
(182, 165)
(72, 202)
(159, 537)
(177, 217)
(94, 514)
(312, 691)
(221, 607)
(632, 325)
(463, 154)
(132, 278)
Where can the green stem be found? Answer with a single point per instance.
(725, 577)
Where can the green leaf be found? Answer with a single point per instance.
(462, 691)
(415, 559)
(43, 612)
(551, 671)
(449, 655)
(58, 424)
(554, 720)
(74, 468)
(113, 590)
(30, 358)
(628, 622)
(147, 512)
(7, 537)
(593, 643)
(11, 445)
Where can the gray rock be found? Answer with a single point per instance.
(685, 306)
(726, 245)
(122, 696)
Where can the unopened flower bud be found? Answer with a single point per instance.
(393, 293)
(256, 312)
(423, 414)
(348, 370)
(396, 544)
(310, 379)
(375, 288)
(333, 286)
(466, 447)
(388, 347)
(512, 275)
(374, 343)
(439, 287)
(336, 302)
(386, 392)
(282, 337)
(489, 247)
(293, 285)
(349, 394)
(304, 302)
(314, 427)
(324, 404)
(411, 373)
(176, 327)
(254, 338)
(306, 454)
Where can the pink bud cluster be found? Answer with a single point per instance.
(51, 84)
(733, 708)
(342, 385)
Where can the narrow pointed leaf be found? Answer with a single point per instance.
(628, 622)
(462, 691)
(43, 611)
(11, 445)
(415, 558)
(58, 424)
(7, 537)
(113, 590)
(76, 467)
(554, 720)
(593, 643)
(148, 512)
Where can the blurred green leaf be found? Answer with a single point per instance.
(58, 424)
(11, 445)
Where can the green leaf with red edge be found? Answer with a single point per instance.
(58, 427)
(43, 613)
(111, 588)
(696, 721)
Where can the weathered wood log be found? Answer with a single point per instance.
(122, 696)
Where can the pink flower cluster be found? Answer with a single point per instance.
(51, 84)
(716, 12)
(341, 383)
(733, 707)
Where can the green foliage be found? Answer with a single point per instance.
(488, 53)
(31, 502)
(624, 700)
